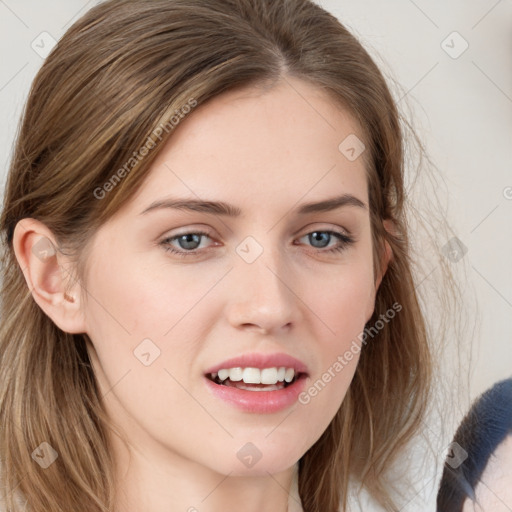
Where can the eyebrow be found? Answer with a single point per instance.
(226, 209)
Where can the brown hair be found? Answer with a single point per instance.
(117, 74)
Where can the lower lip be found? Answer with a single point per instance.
(259, 401)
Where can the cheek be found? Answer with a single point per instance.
(150, 323)
(137, 300)
(144, 341)
(342, 304)
(343, 300)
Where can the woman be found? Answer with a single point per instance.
(207, 288)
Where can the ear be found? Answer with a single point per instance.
(388, 253)
(46, 271)
(386, 258)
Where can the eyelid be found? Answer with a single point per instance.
(171, 233)
(305, 230)
(330, 227)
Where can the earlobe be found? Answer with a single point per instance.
(47, 277)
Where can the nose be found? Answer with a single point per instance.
(265, 295)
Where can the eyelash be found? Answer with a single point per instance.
(345, 242)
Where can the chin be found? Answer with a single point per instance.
(249, 461)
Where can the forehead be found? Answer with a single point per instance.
(252, 143)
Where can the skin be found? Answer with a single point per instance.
(493, 492)
(266, 153)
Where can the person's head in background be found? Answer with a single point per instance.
(266, 106)
(477, 476)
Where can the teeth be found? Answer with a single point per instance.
(223, 374)
(252, 376)
(290, 373)
(268, 376)
(235, 374)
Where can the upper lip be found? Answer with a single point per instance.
(259, 360)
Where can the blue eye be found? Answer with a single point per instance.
(322, 236)
(189, 242)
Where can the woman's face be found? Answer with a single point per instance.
(265, 281)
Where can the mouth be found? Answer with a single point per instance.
(252, 386)
(255, 390)
(258, 382)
